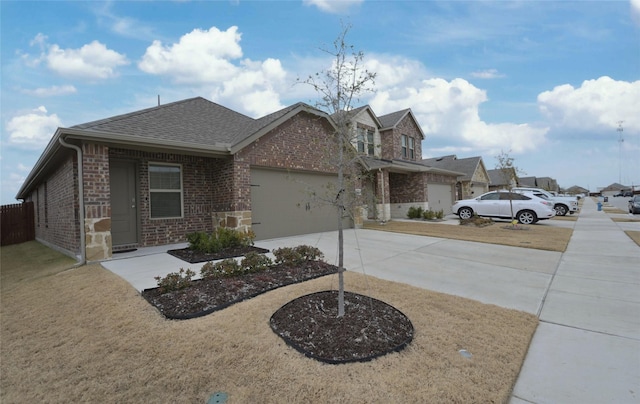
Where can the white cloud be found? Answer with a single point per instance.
(199, 57)
(449, 109)
(207, 59)
(487, 74)
(635, 11)
(34, 129)
(91, 61)
(51, 91)
(333, 6)
(597, 105)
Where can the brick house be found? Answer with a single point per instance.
(153, 176)
(475, 179)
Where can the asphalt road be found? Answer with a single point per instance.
(620, 202)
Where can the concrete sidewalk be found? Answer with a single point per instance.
(587, 347)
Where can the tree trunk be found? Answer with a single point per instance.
(340, 203)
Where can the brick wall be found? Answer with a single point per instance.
(406, 188)
(304, 142)
(56, 208)
(392, 142)
(206, 186)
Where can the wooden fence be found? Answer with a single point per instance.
(17, 223)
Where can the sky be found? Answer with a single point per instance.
(554, 84)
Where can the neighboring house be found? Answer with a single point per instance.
(391, 150)
(475, 180)
(151, 177)
(528, 182)
(546, 183)
(614, 189)
(576, 190)
(502, 179)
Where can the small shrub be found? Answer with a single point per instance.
(222, 238)
(297, 255)
(175, 280)
(287, 256)
(309, 253)
(440, 214)
(428, 214)
(254, 262)
(414, 212)
(227, 267)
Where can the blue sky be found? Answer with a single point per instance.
(547, 81)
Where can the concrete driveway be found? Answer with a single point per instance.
(587, 346)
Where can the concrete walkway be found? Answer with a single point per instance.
(587, 347)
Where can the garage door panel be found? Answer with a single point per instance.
(440, 197)
(282, 204)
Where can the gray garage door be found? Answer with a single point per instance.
(440, 197)
(281, 204)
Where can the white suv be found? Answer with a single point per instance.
(527, 208)
(562, 204)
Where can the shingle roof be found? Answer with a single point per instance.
(390, 120)
(468, 165)
(195, 120)
(496, 177)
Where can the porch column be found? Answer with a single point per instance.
(97, 202)
(384, 195)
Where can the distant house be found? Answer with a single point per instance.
(577, 190)
(546, 183)
(475, 179)
(614, 189)
(502, 179)
(150, 177)
(527, 182)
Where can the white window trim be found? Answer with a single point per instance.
(166, 190)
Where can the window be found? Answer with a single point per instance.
(494, 196)
(365, 141)
(404, 146)
(504, 196)
(412, 147)
(165, 191)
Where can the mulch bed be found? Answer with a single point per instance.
(369, 328)
(310, 324)
(194, 257)
(207, 295)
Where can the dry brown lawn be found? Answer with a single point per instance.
(633, 235)
(85, 335)
(534, 236)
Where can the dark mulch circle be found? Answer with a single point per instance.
(369, 328)
(194, 257)
(207, 295)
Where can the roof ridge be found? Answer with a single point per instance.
(133, 113)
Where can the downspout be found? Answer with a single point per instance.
(384, 218)
(83, 252)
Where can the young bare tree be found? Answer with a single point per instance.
(509, 174)
(339, 87)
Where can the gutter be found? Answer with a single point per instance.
(83, 250)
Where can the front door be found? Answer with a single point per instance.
(124, 216)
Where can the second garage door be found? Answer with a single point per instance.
(440, 197)
(281, 204)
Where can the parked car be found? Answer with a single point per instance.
(627, 193)
(634, 204)
(562, 204)
(527, 207)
